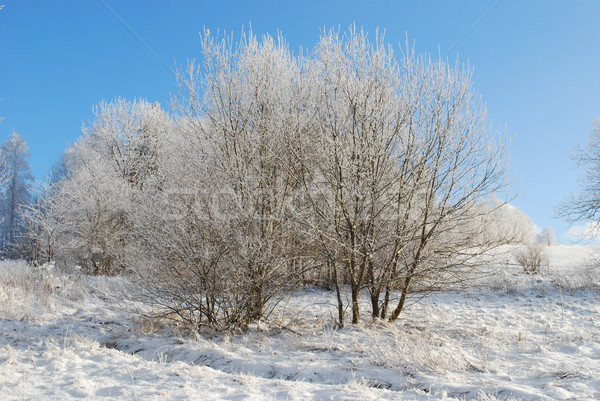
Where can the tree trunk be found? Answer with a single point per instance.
(338, 294)
(386, 302)
(375, 303)
(375, 291)
(355, 305)
(402, 301)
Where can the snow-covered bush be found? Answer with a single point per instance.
(531, 257)
(503, 220)
(26, 290)
(582, 277)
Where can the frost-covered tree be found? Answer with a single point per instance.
(463, 163)
(105, 169)
(234, 246)
(398, 159)
(59, 170)
(14, 153)
(351, 161)
(503, 220)
(585, 205)
(44, 215)
(41, 223)
(546, 236)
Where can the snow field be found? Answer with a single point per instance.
(512, 337)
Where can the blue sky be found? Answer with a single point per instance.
(536, 64)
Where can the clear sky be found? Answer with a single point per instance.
(536, 64)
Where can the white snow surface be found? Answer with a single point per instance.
(512, 336)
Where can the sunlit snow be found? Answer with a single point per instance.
(512, 336)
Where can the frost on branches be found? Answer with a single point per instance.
(348, 167)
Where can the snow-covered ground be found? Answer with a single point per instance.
(512, 337)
